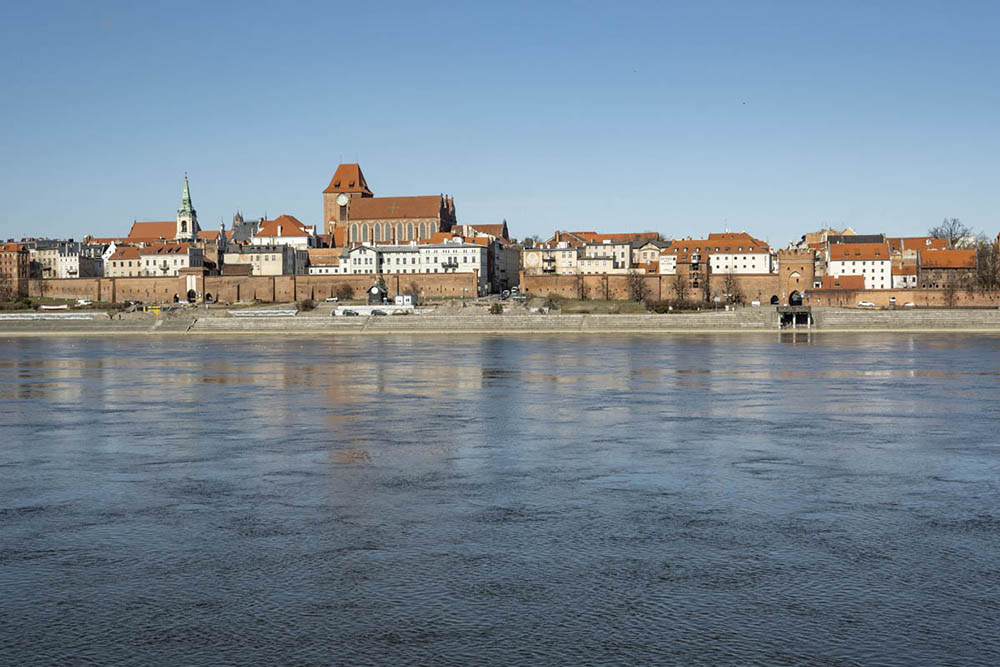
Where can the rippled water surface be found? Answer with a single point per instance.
(503, 500)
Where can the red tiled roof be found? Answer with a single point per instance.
(849, 252)
(711, 246)
(325, 256)
(904, 269)
(843, 282)
(126, 252)
(901, 243)
(209, 235)
(393, 208)
(165, 249)
(152, 231)
(11, 247)
(290, 226)
(348, 178)
(948, 259)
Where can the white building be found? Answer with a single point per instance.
(448, 257)
(870, 260)
(284, 230)
(167, 259)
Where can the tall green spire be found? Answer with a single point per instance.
(186, 207)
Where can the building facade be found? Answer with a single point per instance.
(14, 271)
(352, 214)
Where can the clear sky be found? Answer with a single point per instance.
(771, 117)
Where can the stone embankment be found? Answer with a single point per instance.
(743, 320)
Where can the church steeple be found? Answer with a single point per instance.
(187, 217)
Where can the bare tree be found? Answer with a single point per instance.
(680, 285)
(987, 276)
(953, 229)
(638, 290)
(731, 288)
(581, 287)
(950, 294)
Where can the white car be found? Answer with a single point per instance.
(331, 299)
(909, 304)
(865, 304)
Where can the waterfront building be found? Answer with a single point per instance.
(284, 230)
(267, 260)
(14, 270)
(949, 268)
(169, 259)
(352, 214)
(870, 260)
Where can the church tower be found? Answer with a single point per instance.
(187, 217)
(347, 183)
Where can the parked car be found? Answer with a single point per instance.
(331, 299)
(379, 313)
(865, 304)
(350, 313)
(909, 304)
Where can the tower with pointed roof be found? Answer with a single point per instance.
(349, 182)
(187, 217)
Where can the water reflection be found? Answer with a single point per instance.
(511, 500)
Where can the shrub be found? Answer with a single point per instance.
(344, 292)
(496, 309)
(307, 304)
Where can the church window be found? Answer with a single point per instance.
(364, 233)
(409, 231)
(354, 233)
(378, 232)
(399, 232)
(423, 231)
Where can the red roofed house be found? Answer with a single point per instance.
(168, 259)
(870, 260)
(843, 282)
(352, 214)
(946, 268)
(285, 230)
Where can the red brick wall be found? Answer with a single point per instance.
(918, 297)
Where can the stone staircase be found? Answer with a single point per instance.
(917, 318)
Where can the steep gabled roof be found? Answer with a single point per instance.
(290, 226)
(348, 178)
(849, 252)
(948, 259)
(393, 208)
(152, 231)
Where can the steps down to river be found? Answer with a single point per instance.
(929, 318)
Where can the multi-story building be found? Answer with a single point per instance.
(284, 230)
(324, 261)
(14, 271)
(453, 256)
(124, 263)
(904, 274)
(70, 260)
(352, 214)
(559, 259)
(946, 268)
(267, 260)
(870, 260)
(168, 259)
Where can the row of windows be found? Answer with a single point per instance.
(383, 232)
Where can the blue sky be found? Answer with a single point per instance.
(771, 117)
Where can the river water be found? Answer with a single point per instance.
(740, 500)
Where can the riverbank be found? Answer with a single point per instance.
(748, 320)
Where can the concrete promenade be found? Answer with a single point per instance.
(747, 320)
